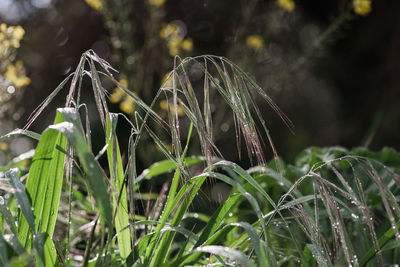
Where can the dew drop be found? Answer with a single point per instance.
(230, 214)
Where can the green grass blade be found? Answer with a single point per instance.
(185, 196)
(193, 257)
(72, 129)
(119, 193)
(22, 198)
(3, 251)
(44, 183)
(27, 133)
(217, 218)
(165, 166)
(386, 237)
(255, 240)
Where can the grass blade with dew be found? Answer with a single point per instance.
(213, 224)
(3, 251)
(17, 132)
(227, 252)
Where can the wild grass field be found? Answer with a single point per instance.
(126, 172)
(330, 207)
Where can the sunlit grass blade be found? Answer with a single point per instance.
(72, 129)
(17, 132)
(119, 188)
(44, 183)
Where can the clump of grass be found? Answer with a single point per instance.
(332, 207)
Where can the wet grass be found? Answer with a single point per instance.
(331, 207)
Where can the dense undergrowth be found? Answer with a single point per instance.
(330, 207)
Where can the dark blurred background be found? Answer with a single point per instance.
(334, 73)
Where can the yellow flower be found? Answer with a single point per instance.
(164, 106)
(187, 44)
(16, 74)
(167, 30)
(255, 42)
(11, 36)
(362, 7)
(95, 4)
(3, 146)
(123, 81)
(156, 3)
(128, 105)
(3, 27)
(288, 5)
(116, 95)
(174, 45)
(17, 33)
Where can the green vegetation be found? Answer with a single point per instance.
(75, 206)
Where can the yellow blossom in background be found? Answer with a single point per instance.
(10, 36)
(255, 42)
(175, 42)
(16, 74)
(128, 105)
(167, 30)
(164, 106)
(3, 27)
(174, 45)
(187, 44)
(362, 7)
(117, 95)
(156, 3)
(95, 4)
(288, 5)
(3, 146)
